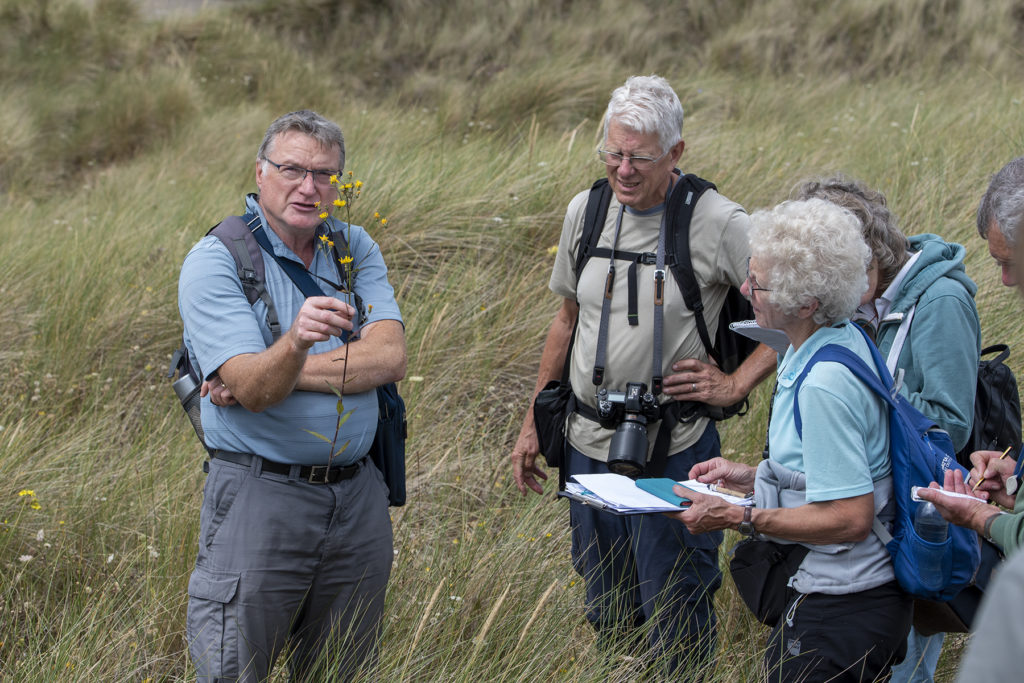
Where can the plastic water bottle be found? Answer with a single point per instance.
(929, 524)
(931, 527)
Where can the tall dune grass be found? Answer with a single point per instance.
(472, 124)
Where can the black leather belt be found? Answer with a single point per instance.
(314, 474)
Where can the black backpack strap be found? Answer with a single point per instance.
(680, 212)
(236, 233)
(593, 222)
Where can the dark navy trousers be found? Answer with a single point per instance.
(649, 571)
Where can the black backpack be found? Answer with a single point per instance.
(388, 449)
(729, 349)
(997, 420)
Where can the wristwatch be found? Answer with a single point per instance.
(746, 527)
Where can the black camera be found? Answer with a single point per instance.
(628, 413)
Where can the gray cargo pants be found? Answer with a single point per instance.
(285, 561)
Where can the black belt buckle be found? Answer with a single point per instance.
(318, 474)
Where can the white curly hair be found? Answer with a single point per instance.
(811, 250)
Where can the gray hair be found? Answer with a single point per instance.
(327, 133)
(1003, 202)
(647, 104)
(811, 250)
(888, 244)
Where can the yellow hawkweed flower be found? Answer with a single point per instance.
(376, 215)
(26, 492)
(323, 216)
(330, 244)
(334, 180)
(324, 239)
(383, 221)
(345, 259)
(359, 183)
(340, 203)
(552, 250)
(316, 204)
(350, 174)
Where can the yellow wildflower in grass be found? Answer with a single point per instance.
(323, 216)
(552, 250)
(334, 180)
(340, 203)
(376, 215)
(383, 221)
(325, 239)
(26, 492)
(359, 183)
(345, 259)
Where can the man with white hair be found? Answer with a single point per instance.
(1000, 215)
(644, 568)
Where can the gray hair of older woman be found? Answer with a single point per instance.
(647, 104)
(811, 250)
(888, 244)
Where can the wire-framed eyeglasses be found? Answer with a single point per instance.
(752, 283)
(297, 174)
(640, 163)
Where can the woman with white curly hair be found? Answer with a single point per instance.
(843, 615)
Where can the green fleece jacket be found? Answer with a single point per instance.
(940, 356)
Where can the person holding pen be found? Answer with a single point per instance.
(846, 617)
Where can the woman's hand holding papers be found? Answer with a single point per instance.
(733, 475)
(711, 513)
(707, 513)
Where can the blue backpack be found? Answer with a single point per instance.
(920, 453)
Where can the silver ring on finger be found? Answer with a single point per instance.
(693, 387)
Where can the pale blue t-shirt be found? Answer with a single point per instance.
(219, 324)
(845, 445)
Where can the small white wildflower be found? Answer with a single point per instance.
(25, 558)
(40, 535)
(110, 558)
(153, 552)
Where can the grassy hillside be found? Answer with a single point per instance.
(471, 124)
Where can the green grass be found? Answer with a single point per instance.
(472, 125)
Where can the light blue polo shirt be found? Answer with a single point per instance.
(845, 445)
(219, 324)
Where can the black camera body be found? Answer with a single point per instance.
(628, 413)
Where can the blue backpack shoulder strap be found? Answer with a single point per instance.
(880, 383)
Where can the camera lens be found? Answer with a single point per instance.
(627, 454)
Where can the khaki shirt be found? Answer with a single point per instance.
(719, 248)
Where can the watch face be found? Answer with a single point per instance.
(1012, 484)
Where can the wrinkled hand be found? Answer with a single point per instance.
(993, 473)
(524, 461)
(733, 475)
(695, 380)
(220, 395)
(706, 513)
(969, 513)
(319, 319)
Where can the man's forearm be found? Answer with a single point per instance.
(760, 364)
(377, 358)
(260, 380)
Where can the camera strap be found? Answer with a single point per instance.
(601, 354)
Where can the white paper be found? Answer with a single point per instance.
(776, 339)
(621, 493)
(709, 490)
(952, 494)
